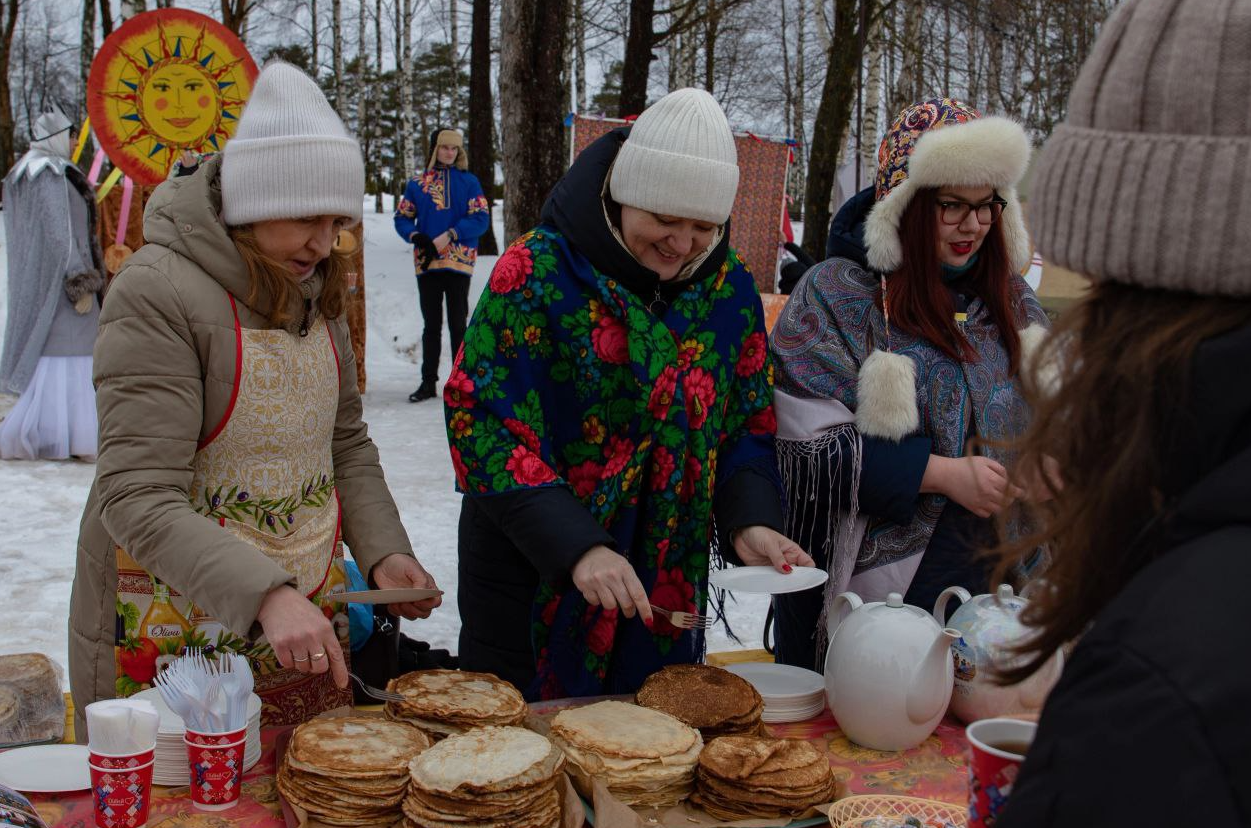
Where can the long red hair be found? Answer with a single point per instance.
(920, 303)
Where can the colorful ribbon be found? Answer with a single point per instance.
(82, 141)
(96, 163)
(108, 184)
(123, 218)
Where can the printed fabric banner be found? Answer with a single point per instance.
(756, 220)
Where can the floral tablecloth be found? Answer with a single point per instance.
(934, 770)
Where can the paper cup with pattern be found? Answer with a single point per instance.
(996, 750)
(216, 768)
(121, 796)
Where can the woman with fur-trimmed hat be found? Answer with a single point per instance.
(613, 397)
(234, 464)
(442, 214)
(896, 371)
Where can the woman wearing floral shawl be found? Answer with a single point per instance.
(897, 361)
(613, 398)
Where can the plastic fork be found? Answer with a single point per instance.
(684, 620)
(374, 692)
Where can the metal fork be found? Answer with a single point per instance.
(684, 620)
(374, 692)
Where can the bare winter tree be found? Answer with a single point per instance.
(829, 134)
(130, 8)
(8, 23)
(336, 52)
(405, 59)
(480, 137)
(235, 15)
(106, 18)
(86, 51)
(531, 62)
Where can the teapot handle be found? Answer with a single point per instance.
(940, 606)
(836, 615)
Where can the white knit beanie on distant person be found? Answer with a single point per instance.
(290, 156)
(679, 160)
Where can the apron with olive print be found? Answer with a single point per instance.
(265, 475)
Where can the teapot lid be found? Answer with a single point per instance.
(895, 600)
(1005, 592)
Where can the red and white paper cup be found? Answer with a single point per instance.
(996, 751)
(120, 761)
(121, 795)
(216, 768)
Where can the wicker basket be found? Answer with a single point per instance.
(848, 812)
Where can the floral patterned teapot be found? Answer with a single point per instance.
(989, 625)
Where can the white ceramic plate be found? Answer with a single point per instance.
(768, 580)
(780, 681)
(46, 768)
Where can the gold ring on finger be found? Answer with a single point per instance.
(299, 660)
(316, 656)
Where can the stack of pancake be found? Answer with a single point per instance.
(447, 702)
(750, 776)
(643, 756)
(492, 777)
(351, 771)
(715, 701)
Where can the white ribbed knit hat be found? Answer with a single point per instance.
(679, 160)
(290, 156)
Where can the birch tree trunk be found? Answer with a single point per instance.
(315, 46)
(406, 87)
(336, 53)
(579, 52)
(378, 64)
(872, 103)
(454, 31)
(532, 114)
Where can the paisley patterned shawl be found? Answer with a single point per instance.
(829, 327)
(567, 379)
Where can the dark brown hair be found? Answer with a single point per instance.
(275, 279)
(920, 303)
(1108, 418)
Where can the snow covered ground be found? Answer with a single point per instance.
(41, 502)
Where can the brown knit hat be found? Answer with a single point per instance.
(1148, 180)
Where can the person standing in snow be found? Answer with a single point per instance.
(56, 270)
(442, 214)
(894, 357)
(234, 463)
(614, 397)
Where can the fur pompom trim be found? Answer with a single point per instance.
(886, 396)
(1045, 375)
(987, 152)
(80, 284)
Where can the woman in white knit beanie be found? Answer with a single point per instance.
(233, 460)
(612, 398)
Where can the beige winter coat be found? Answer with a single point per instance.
(164, 373)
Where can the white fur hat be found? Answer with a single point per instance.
(679, 160)
(290, 156)
(940, 143)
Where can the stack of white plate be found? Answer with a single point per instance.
(171, 752)
(791, 694)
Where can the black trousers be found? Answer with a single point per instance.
(432, 287)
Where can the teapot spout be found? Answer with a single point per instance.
(931, 680)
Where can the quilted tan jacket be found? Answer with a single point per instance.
(164, 372)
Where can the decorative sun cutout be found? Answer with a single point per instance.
(166, 81)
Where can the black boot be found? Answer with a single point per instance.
(425, 391)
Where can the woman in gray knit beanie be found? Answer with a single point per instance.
(1143, 415)
(233, 461)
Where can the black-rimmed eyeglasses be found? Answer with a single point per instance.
(955, 212)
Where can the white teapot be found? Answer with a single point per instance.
(989, 625)
(888, 671)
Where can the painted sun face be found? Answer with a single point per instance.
(179, 103)
(166, 81)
